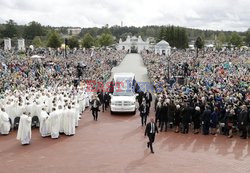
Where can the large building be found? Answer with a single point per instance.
(74, 31)
(133, 44)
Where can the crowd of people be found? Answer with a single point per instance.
(20, 73)
(214, 95)
(50, 92)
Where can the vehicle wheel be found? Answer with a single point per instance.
(111, 112)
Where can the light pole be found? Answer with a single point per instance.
(168, 58)
(65, 48)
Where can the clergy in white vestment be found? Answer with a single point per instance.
(9, 109)
(69, 121)
(62, 114)
(75, 108)
(24, 129)
(38, 109)
(87, 99)
(4, 122)
(81, 102)
(54, 123)
(49, 104)
(30, 108)
(20, 110)
(44, 123)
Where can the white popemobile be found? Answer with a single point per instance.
(123, 98)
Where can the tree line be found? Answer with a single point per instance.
(178, 37)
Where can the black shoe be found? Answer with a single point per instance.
(148, 144)
(152, 152)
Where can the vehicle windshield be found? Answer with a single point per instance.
(123, 93)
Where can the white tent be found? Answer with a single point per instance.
(162, 48)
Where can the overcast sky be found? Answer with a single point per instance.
(203, 14)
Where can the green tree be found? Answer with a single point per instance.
(32, 30)
(161, 34)
(247, 38)
(236, 40)
(10, 29)
(37, 42)
(54, 40)
(105, 39)
(220, 40)
(87, 41)
(199, 44)
(73, 43)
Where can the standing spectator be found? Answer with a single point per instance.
(196, 119)
(243, 121)
(164, 117)
(177, 118)
(214, 121)
(229, 123)
(206, 120)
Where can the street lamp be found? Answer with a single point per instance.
(168, 58)
(65, 48)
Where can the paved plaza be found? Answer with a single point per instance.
(116, 144)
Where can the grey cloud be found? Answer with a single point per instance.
(221, 14)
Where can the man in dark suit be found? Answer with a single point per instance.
(144, 111)
(106, 98)
(140, 97)
(150, 131)
(243, 121)
(205, 118)
(148, 98)
(95, 107)
(186, 117)
(101, 98)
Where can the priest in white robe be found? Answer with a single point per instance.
(69, 121)
(24, 129)
(4, 122)
(87, 99)
(62, 114)
(44, 123)
(75, 108)
(10, 110)
(54, 123)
